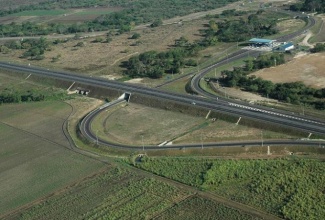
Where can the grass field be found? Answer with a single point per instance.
(34, 155)
(318, 30)
(130, 123)
(156, 126)
(291, 188)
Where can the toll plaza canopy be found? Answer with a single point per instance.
(260, 42)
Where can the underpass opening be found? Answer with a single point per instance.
(126, 96)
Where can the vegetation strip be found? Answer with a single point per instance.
(280, 186)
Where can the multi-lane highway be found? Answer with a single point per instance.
(297, 122)
(239, 109)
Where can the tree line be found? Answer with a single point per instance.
(154, 64)
(13, 96)
(310, 6)
(319, 47)
(35, 48)
(294, 92)
(255, 24)
(133, 13)
(16, 95)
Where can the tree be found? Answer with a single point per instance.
(156, 23)
(136, 36)
(213, 25)
(181, 42)
(249, 65)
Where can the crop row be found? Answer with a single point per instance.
(116, 194)
(280, 186)
(200, 208)
(89, 191)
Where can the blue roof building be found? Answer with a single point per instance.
(285, 47)
(261, 42)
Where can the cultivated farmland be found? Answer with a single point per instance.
(200, 208)
(119, 193)
(286, 187)
(35, 159)
(115, 193)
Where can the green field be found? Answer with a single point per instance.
(119, 193)
(35, 159)
(95, 12)
(291, 188)
(201, 208)
(41, 13)
(113, 194)
(116, 193)
(41, 178)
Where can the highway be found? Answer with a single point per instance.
(209, 102)
(256, 113)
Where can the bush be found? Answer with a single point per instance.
(156, 23)
(80, 44)
(136, 36)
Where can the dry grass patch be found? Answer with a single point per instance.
(105, 58)
(226, 131)
(290, 25)
(128, 124)
(308, 69)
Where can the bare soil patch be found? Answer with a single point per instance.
(308, 69)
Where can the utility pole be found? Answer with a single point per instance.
(197, 65)
(96, 137)
(274, 62)
(262, 137)
(227, 56)
(142, 143)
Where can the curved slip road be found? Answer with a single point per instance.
(85, 128)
